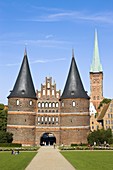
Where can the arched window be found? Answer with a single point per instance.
(53, 104)
(30, 102)
(48, 85)
(38, 119)
(56, 104)
(73, 103)
(46, 104)
(42, 104)
(49, 104)
(17, 102)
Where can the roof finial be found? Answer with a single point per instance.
(72, 52)
(25, 52)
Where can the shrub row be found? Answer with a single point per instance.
(20, 149)
(10, 145)
(82, 144)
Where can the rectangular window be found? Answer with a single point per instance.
(45, 119)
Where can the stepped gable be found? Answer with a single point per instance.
(24, 87)
(74, 87)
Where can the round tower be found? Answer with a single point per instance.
(74, 109)
(22, 107)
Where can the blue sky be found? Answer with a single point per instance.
(51, 29)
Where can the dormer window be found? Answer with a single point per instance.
(17, 102)
(23, 91)
(72, 93)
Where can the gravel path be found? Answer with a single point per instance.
(49, 158)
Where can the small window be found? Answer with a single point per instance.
(42, 104)
(53, 104)
(45, 119)
(49, 104)
(62, 104)
(57, 95)
(43, 92)
(53, 119)
(38, 95)
(17, 102)
(49, 119)
(42, 118)
(56, 104)
(30, 102)
(53, 93)
(72, 93)
(39, 104)
(48, 85)
(46, 104)
(38, 119)
(56, 119)
(94, 98)
(48, 92)
(73, 103)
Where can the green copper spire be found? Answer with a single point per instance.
(96, 65)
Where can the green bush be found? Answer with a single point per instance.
(10, 145)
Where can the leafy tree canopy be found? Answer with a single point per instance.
(100, 136)
(5, 137)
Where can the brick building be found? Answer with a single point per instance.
(44, 117)
(96, 77)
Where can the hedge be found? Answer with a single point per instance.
(10, 145)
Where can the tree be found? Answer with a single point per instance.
(5, 137)
(100, 136)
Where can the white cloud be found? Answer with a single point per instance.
(55, 15)
(47, 60)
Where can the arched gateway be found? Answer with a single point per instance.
(47, 139)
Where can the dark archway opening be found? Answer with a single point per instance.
(47, 139)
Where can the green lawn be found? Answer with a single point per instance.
(90, 160)
(15, 162)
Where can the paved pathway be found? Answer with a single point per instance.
(49, 158)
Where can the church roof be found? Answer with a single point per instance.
(103, 112)
(74, 87)
(96, 65)
(24, 87)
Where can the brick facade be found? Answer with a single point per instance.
(33, 121)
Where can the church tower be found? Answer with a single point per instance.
(22, 107)
(96, 77)
(74, 116)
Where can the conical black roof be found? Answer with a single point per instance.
(24, 87)
(74, 87)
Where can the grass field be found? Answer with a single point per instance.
(90, 160)
(15, 162)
